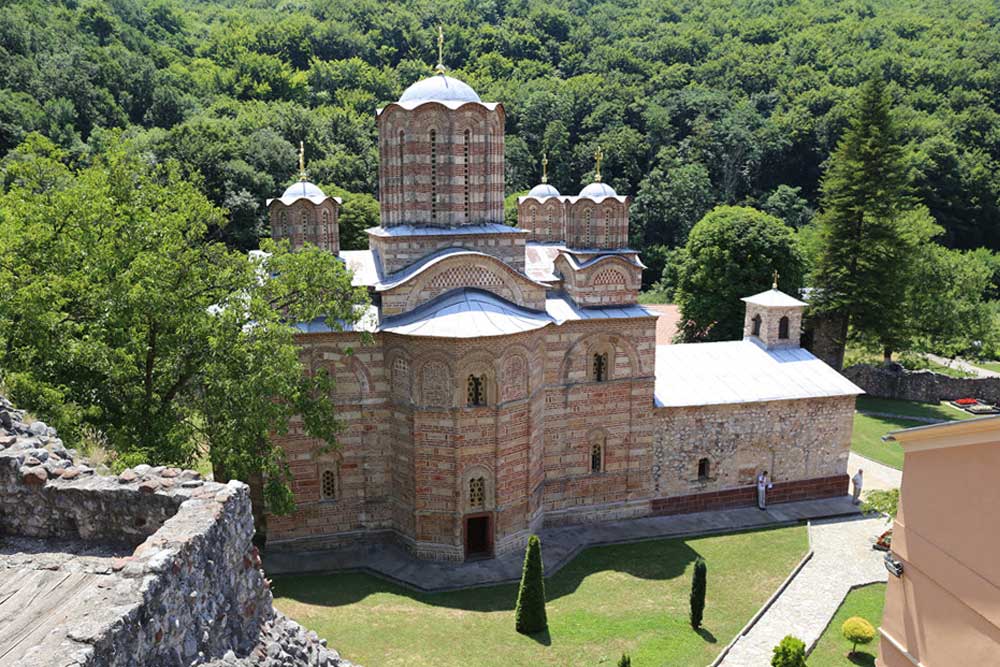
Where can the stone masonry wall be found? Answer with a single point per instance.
(190, 591)
(926, 386)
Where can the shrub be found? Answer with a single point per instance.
(698, 585)
(791, 652)
(857, 631)
(530, 613)
(625, 661)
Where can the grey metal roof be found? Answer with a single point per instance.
(413, 230)
(367, 322)
(541, 191)
(598, 191)
(303, 190)
(774, 298)
(577, 265)
(466, 313)
(562, 309)
(742, 372)
(439, 88)
(362, 265)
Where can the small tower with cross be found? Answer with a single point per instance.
(773, 319)
(305, 214)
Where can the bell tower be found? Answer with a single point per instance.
(773, 319)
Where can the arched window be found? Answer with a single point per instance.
(329, 485)
(756, 326)
(325, 238)
(434, 175)
(587, 234)
(477, 493)
(466, 173)
(476, 390)
(600, 368)
(550, 232)
(304, 222)
(704, 467)
(597, 455)
(783, 328)
(282, 224)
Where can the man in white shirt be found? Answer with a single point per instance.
(858, 481)
(763, 484)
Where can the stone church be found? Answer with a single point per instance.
(505, 378)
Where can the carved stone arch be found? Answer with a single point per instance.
(475, 480)
(477, 366)
(514, 377)
(399, 372)
(436, 383)
(363, 377)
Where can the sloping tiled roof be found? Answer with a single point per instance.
(773, 297)
(742, 372)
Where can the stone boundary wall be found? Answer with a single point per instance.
(746, 496)
(191, 591)
(896, 382)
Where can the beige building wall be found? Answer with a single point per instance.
(945, 608)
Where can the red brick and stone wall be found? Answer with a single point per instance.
(396, 252)
(612, 282)
(544, 219)
(441, 167)
(597, 224)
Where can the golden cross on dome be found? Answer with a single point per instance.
(440, 66)
(545, 167)
(775, 284)
(302, 160)
(598, 156)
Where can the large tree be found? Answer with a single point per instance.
(731, 253)
(876, 263)
(118, 313)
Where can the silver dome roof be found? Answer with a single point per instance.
(598, 190)
(439, 88)
(300, 189)
(543, 190)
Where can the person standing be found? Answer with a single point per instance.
(763, 484)
(858, 480)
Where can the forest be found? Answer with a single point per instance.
(695, 103)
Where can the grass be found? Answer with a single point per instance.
(609, 600)
(831, 650)
(988, 365)
(866, 439)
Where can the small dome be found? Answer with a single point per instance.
(300, 189)
(598, 190)
(439, 88)
(543, 190)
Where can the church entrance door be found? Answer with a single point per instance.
(478, 536)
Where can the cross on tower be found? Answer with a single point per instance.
(598, 156)
(775, 284)
(545, 167)
(440, 66)
(302, 160)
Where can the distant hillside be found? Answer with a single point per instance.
(695, 102)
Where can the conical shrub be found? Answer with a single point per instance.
(530, 613)
(699, 583)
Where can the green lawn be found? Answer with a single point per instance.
(866, 439)
(911, 408)
(831, 649)
(623, 598)
(988, 365)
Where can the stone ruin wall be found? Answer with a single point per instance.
(186, 588)
(896, 382)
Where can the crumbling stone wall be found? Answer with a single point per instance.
(894, 381)
(190, 592)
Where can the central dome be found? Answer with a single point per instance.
(543, 190)
(598, 190)
(439, 88)
(305, 189)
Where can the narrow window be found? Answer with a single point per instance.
(399, 157)
(325, 238)
(476, 389)
(282, 224)
(305, 228)
(434, 176)
(601, 367)
(587, 243)
(756, 326)
(549, 230)
(607, 230)
(783, 328)
(477, 492)
(533, 210)
(329, 484)
(466, 174)
(703, 469)
(597, 456)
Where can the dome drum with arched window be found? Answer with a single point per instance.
(305, 214)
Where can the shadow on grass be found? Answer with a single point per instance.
(707, 635)
(653, 560)
(862, 658)
(543, 637)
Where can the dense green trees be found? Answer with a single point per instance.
(731, 253)
(696, 104)
(118, 313)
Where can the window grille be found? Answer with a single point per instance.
(329, 484)
(476, 390)
(477, 492)
(434, 175)
(466, 173)
(601, 367)
(597, 457)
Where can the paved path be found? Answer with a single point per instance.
(559, 546)
(963, 366)
(877, 475)
(842, 558)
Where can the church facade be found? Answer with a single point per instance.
(505, 378)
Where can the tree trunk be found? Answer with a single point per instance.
(887, 355)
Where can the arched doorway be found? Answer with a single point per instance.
(477, 518)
